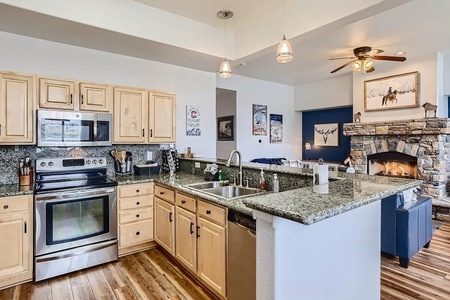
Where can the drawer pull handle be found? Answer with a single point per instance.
(183, 202)
(5, 206)
(198, 231)
(192, 228)
(137, 216)
(137, 191)
(138, 233)
(208, 212)
(170, 217)
(137, 203)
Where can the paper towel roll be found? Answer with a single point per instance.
(321, 188)
(320, 174)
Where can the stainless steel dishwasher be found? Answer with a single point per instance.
(241, 280)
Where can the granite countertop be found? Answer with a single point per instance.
(306, 206)
(9, 190)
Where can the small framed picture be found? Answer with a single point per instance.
(225, 128)
(326, 134)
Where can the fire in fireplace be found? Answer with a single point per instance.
(393, 164)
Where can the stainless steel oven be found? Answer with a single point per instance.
(75, 217)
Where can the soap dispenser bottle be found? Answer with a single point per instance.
(262, 182)
(276, 184)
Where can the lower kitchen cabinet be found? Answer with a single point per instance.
(211, 257)
(135, 217)
(16, 240)
(186, 238)
(165, 225)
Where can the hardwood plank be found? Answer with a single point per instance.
(22, 292)
(99, 284)
(61, 288)
(81, 288)
(143, 289)
(41, 290)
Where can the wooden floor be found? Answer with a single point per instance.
(152, 275)
(144, 275)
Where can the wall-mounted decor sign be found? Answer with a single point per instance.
(259, 119)
(392, 92)
(326, 134)
(225, 128)
(193, 121)
(276, 128)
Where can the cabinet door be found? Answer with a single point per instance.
(17, 102)
(211, 255)
(56, 93)
(162, 117)
(16, 244)
(164, 225)
(185, 235)
(95, 97)
(130, 115)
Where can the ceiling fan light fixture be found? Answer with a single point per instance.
(356, 66)
(284, 52)
(368, 65)
(225, 69)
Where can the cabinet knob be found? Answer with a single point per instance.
(137, 191)
(208, 212)
(137, 216)
(138, 233)
(137, 203)
(183, 202)
(5, 206)
(161, 193)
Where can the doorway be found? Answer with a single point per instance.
(226, 107)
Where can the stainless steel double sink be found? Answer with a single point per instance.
(223, 189)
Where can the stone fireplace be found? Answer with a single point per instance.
(420, 149)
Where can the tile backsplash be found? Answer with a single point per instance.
(11, 155)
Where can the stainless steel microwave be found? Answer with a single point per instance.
(73, 129)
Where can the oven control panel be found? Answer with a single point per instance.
(69, 163)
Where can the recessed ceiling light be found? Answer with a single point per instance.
(400, 53)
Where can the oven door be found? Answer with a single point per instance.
(71, 219)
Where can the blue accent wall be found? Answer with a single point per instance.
(448, 107)
(335, 115)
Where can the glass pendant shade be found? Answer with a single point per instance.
(368, 65)
(225, 69)
(356, 66)
(284, 53)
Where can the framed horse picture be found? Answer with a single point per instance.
(392, 92)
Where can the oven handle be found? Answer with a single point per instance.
(76, 253)
(55, 197)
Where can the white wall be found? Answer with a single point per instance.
(279, 99)
(225, 106)
(446, 58)
(335, 92)
(426, 65)
(34, 56)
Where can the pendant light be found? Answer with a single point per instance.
(284, 52)
(225, 67)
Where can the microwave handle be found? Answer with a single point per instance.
(95, 130)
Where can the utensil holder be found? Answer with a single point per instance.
(25, 179)
(121, 168)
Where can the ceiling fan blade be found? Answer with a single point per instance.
(343, 66)
(370, 70)
(336, 58)
(391, 58)
(374, 52)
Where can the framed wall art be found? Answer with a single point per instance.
(225, 128)
(326, 134)
(193, 121)
(392, 92)
(259, 119)
(276, 128)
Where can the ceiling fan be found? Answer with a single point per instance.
(364, 57)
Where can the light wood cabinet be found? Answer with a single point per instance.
(130, 115)
(135, 217)
(95, 97)
(56, 93)
(162, 117)
(17, 106)
(16, 240)
(165, 225)
(186, 238)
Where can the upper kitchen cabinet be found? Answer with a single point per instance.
(56, 93)
(95, 97)
(17, 104)
(162, 117)
(74, 95)
(129, 115)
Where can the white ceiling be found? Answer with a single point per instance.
(418, 27)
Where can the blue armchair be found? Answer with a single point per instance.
(405, 227)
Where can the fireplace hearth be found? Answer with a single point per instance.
(392, 164)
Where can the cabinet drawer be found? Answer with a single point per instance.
(185, 202)
(135, 202)
(139, 214)
(211, 212)
(165, 193)
(135, 233)
(13, 204)
(135, 190)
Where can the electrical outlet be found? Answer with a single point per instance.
(149, 155)
(197, 165)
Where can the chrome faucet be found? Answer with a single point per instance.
(240, 164)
